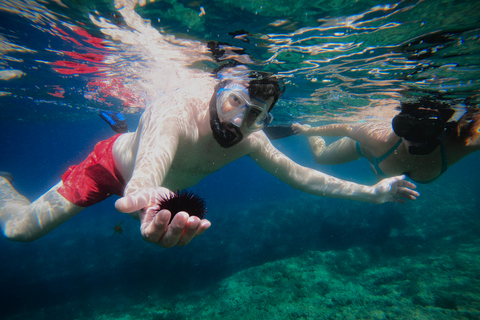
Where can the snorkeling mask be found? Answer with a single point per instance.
(426, 131)
(235, 107)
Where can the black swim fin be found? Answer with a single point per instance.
(115, 120)
(278, 132)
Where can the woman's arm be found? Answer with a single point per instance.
(373, 134)
(331, 130)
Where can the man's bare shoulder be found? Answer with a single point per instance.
(178, 110)
(256, 142)
(173, 104)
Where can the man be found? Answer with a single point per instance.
(179, 141)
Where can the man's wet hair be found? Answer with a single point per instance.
(265, 85)
(261, 85)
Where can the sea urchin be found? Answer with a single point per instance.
(183, 201)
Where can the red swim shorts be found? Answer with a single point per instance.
(95, 179)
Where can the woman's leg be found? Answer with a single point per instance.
(21, 220)
(341, 151)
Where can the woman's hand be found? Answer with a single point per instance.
(300, 128)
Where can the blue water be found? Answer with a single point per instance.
(81, 263)
(82, 270)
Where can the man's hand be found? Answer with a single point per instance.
(395, 189)
(154, 224)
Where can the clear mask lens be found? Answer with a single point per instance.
(235, 106)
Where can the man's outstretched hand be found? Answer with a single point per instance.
(395, 189)
(154, 224)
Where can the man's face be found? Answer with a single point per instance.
(235, 106)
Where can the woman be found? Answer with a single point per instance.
(422, 141)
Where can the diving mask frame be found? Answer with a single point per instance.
(425, 132)
(419, 129)
(235, 106)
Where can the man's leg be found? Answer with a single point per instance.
(21, 220)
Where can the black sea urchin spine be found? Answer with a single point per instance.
(183, 201)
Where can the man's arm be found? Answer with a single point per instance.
(156, 143)
(315, 182)
(159, 136)
(157, 146)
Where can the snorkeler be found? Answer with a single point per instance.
(179, 141)
(422, 141)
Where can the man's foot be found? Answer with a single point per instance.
(8, 194)
(7, 175)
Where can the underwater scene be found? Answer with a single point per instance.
(272, 252)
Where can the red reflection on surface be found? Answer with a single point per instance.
(70, 67)
(91, 60)
(94, 41)
(73, 67)
(115, 87)
(92, 57)
(63, 35)
(59, 92)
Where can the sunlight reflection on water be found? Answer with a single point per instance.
(99, 57)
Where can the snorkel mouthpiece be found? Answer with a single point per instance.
(226, 135)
